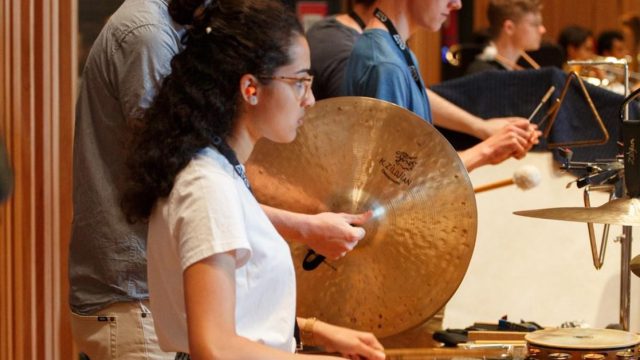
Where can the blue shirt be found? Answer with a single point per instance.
(377, 69)
(125, 67)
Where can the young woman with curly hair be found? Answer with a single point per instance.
(221, 278)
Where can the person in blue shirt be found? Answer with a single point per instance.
(382, 66)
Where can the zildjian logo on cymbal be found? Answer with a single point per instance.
(398, 171)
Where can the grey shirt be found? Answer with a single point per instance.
(330, 43)
(126, 65)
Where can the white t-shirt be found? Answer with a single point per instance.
(211, 211)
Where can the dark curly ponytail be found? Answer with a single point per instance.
(198, 100)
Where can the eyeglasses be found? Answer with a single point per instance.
(301, 85)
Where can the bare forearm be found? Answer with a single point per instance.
(210, 304)
(292, 226)
(240, 348)
(329, 234)
(348, 342)
(472, 158)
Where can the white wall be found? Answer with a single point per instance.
(534, 269)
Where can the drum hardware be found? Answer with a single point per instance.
(552, 113)
(622, 209)
(603, 176)
(355, 154)
(598, 260)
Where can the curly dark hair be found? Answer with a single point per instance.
(198, 100)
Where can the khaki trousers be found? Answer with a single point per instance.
(120, 331)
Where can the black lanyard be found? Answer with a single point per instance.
(402, 45)
(231, 157)
(357, 19)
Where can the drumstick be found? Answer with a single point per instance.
(493, 185)
(501, 59)
(544, 99)
(530, 60)
(526, 177)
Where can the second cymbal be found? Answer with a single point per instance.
(616, 212)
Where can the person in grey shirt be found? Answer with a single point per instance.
(107, 265)
(330, 41)
(107, 261)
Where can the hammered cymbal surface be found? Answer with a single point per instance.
(356, 154)
(624, 211)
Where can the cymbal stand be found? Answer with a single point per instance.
(609, 175)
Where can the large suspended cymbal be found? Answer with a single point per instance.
(616, 212)
(354, 154)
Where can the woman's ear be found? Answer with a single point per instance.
(249, 89)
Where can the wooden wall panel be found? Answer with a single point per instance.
(37, 73)
(426, 46)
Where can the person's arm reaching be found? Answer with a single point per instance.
(209, 287)
(350, 343)
(329, 234)
(513, 140)
(450, 116)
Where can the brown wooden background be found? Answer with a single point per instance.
(37, 95)
(37, 58)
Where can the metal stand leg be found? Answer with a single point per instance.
(625, 283)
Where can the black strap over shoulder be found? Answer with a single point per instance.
(231, 157)
(357, 19)
(402, 45)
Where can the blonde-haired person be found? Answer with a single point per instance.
(515, 26)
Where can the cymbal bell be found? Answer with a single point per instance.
(624, 211)
(356, 154)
